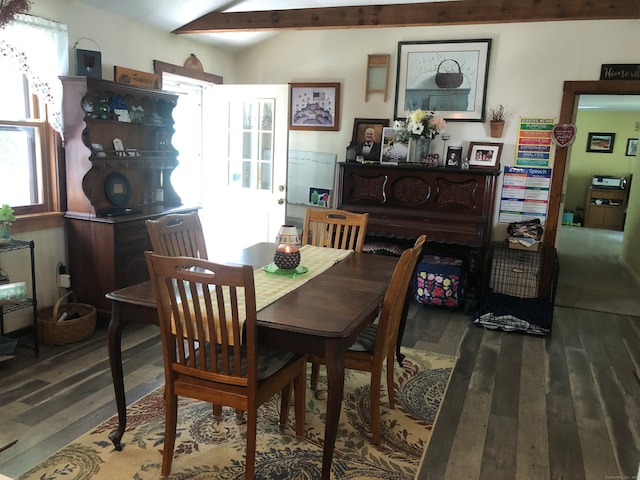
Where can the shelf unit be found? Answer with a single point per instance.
(112, 185)
(12, 306)
(605, 208)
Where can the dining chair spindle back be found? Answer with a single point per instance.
(177, 234)
(335, 228)
(208, 326)
(378, 341)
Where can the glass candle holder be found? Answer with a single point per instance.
(287, 255)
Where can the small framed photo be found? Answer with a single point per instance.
(632, 147)
(319, 196)
(367, 137)
(484, 154)
(600, 142)
(395, 149)
(98, 150)
(454, 157)
(314, 106)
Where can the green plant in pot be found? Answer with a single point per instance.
(6, 220)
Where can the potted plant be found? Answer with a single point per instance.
(6, 220)
(497, 115)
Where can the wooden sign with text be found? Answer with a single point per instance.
(620, 71)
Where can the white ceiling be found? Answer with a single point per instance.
(609, 102)
(169, 15)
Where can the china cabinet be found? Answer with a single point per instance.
(119, 160)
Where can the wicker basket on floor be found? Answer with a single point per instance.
(80, 325)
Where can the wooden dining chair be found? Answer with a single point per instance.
(177, 234)
(378, 341)
(207, 356)
(334, 228)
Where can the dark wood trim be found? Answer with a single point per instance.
(568, 108)
(159, 67)
(464, 12)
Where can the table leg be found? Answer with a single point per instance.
(114, 345)
(334, 363)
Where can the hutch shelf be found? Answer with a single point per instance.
(119, 161)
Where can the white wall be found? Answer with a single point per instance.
(529, 63)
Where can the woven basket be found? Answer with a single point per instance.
(81, 325)
(449, 79)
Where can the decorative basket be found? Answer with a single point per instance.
(80, 325)
(449, 79)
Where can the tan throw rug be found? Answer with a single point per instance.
(210, 448)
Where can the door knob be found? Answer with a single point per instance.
(281, 188)
(280, 201)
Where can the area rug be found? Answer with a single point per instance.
(213, 448)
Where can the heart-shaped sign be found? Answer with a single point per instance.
(563, 134)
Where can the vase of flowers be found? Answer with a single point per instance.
(420, 128)
(6, 220)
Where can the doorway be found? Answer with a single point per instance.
(232, 142)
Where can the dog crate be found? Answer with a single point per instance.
(520, 289)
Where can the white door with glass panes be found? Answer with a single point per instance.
(232, 143)
(245, 172)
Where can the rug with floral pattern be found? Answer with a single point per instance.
(213, 448)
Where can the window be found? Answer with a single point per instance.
(24, 182)
(33, 54)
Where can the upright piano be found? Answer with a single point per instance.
(453, 207)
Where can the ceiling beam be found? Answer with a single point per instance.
(463, 12)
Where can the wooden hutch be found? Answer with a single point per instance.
(453, 207)
(119, 161)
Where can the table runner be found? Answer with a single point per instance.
(270, 287)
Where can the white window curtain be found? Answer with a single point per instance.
(40, 49)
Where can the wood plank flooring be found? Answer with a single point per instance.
(517, 407)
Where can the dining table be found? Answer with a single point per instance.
(322, 317)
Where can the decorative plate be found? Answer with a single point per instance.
(117, 189)
(299, 270)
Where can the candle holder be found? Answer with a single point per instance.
(287, 256)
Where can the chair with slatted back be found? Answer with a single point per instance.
(325, 227)
(177, 234)
(378, 341)
(208, 326)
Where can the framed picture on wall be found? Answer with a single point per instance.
(449, 77)
(600, 142)
(632, 147)
(314, 106)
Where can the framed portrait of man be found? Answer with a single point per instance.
(367, 138)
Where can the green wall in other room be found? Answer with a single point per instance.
(584, 165)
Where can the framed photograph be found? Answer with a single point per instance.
(314, 106)
(367, 137)
(449, 77)
(394, 149)
(484, 154)
(454, 157)
(600, 142)
(632, 147)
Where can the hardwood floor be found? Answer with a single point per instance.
(517, 407)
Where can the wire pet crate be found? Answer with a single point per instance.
(520, 290)
(523, 274)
